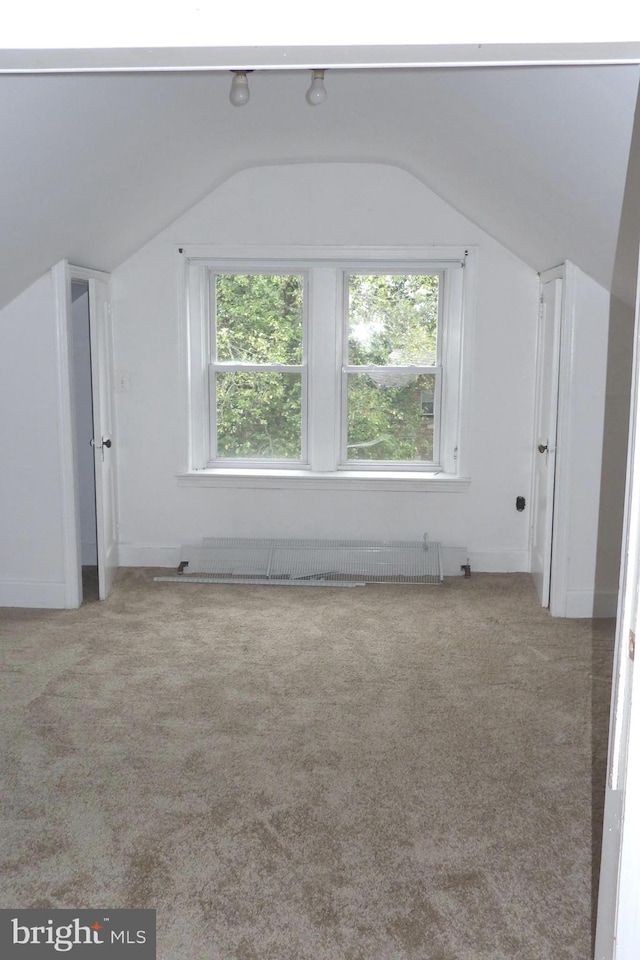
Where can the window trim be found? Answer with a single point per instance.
(196, 260)
(353, 480)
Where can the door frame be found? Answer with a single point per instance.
(62, 274)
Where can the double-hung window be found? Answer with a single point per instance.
(332, 365)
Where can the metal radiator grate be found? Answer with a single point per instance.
(310, 562)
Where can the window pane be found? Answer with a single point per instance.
(259, 415)
(259, 318)
(390, 416)
(393, 320)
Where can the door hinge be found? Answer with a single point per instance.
(632, 645)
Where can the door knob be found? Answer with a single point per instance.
(542, 447)
(107, 444)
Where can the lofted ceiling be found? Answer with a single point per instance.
(94, 165)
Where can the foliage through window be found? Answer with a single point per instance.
(258, 366)
(393, 331)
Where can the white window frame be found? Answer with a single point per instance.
(325, 461)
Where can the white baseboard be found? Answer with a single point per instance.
(499, 561)
(136, 555)
(32, 593)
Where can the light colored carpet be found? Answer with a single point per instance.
(375, 773)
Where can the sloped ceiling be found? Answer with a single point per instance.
(94, 165)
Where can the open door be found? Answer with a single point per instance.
(100, 337)
(103, 438)
(544, 454)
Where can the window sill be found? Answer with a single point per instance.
(355, 480)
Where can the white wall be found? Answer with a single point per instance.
(31, 531)
(356, 204)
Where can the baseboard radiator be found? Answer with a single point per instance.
(347, 563)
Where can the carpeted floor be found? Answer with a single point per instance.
(374, 773)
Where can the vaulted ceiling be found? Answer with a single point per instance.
(94, 165)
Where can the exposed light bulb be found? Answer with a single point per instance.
(317, 92)
(239, 93)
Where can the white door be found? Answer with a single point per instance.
(544, 455)
(103, 437)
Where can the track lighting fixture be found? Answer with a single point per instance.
(317, 92)
(239, 93)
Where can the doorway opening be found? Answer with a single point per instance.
(84, 433)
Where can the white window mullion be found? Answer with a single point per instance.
(323, 369)
(213, 420)
(343, 349)
(437, 414)
(198, 338)
(258, 367)
(304, 385)
(455, 305)
(413, 369)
